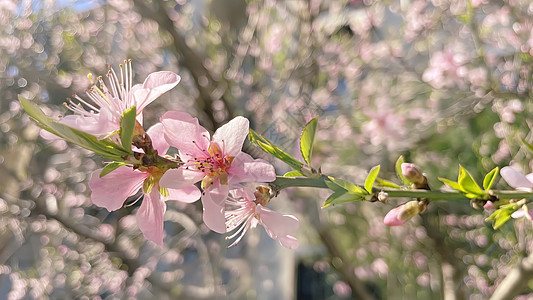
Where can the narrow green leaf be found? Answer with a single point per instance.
(467, 182)
(307, 140)
(503, 214)
(127, 125)
(528, 145)
(270, 148)
(387, 184)
(348, 186)
(105, 148)
(340, 197)
(372, 175)
(293, 174)
(489, 178)
(110, 167)
(454, 185)
(398, 168)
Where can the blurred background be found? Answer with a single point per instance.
(441, 82)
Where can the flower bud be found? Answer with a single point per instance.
(403, 213)
(489, 205)
(414, 175)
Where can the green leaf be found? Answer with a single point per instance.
(110, 167)
(387, 184)
(105, 148)
(454, 185)
(270, 148)
(307, 140)
(127, 125)
(348, 186)
(528, 145)
(489, 178)
(372, 175)
(398, 168)
(503, 214)
(341, 197)
(293, 174)
(467, 182)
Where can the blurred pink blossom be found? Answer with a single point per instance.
(446, 69)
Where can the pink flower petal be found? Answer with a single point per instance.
(391, 219)
(99, 125)
(218, 192)
(150, 217)
(519, 213)
(515, 179)
(114, 188)
(213, 215)
(188, 195)
(230, 137)
(276, 224)
(180, 178)
(155, 85)
(185, 133)
(157, 136)
(289, 242)
(245, 168)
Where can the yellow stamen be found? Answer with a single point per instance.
(90, 76)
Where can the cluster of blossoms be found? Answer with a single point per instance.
(217, 163)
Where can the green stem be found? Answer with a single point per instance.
(320, 182)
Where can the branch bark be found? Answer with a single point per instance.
(208, 87)
(345, 268)
(452, 268)
(516, 281)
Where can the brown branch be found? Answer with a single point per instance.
(452, 268)
(344, 267)
(209, 88)
(516, 281)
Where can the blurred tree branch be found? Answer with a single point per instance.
(516, 281)
(343, 266)
(452, 268)
(209, 88)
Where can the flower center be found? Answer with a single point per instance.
(213, 166)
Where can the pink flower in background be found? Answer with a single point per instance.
(446, 69)
(114, 188)
(100, 116)
(248, 210)
(218, 162)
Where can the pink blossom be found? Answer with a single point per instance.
(111, 190)
(101, 115)
(218, 162)
(516, 179)
(403, 213)
(248, 211)
(446, 69)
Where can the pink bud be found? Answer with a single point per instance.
(413, 175)
(488, 206)
(391, 219)
(401, 214)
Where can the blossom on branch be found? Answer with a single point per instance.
(516, 179)
(100, 116)
(217, 162)
(403, 213)
(248, 209)
(111, 190)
